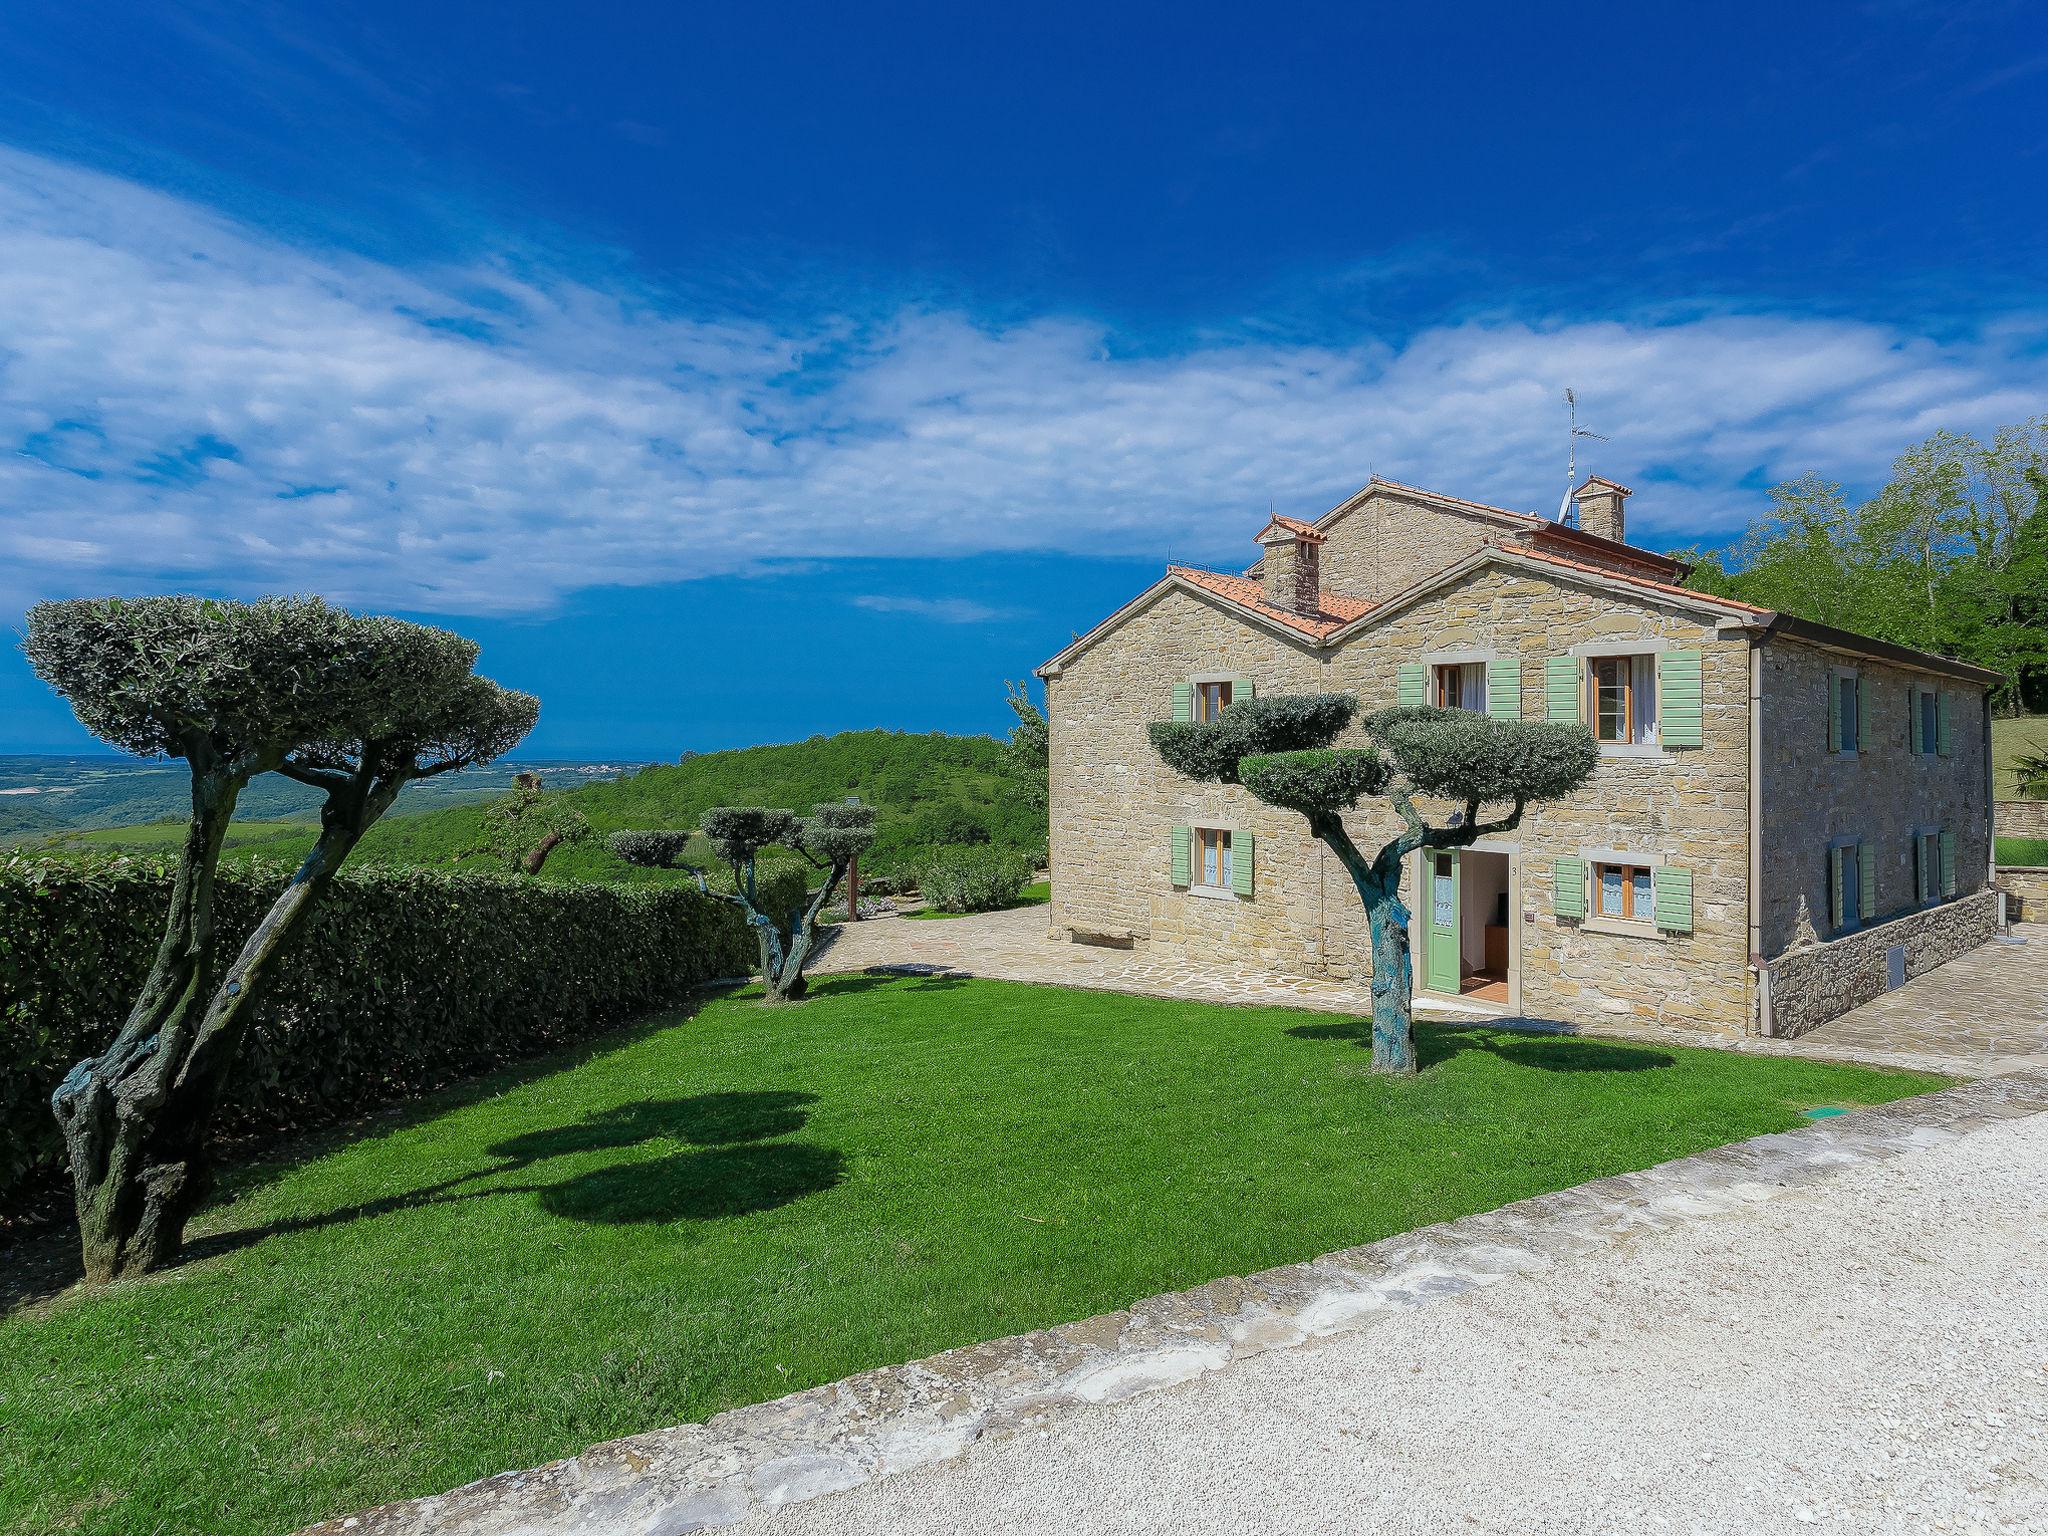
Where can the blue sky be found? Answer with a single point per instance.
(735, 373)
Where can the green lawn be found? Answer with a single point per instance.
(2022, 852)
(2010, 739)
(718, 1209)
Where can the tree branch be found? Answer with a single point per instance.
(318, 778)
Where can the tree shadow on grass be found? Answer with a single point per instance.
(1546, 1049)
(725, 1178)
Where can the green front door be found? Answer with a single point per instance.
(1440, 922)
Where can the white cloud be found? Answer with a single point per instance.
(945, 610)
(184, 402)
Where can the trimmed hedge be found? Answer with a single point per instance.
(979, 879)
(401, 981)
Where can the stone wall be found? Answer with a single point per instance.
(1114, 802)
(1812, 985)
(1880, 794)
(2021, 818)
(2026, 893)
(1389, 541)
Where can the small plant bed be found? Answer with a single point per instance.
(2022, 852)
(718, 1209)
(1037, 894)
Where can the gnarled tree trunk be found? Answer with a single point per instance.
(125, 1119)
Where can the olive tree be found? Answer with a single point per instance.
(528, 824)
(356, 707)
(1281, 749)
(829, 840)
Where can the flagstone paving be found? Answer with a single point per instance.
(1984, 1013)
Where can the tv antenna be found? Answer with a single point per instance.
(1571, 473)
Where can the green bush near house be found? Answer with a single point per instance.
(404, 980)
(707, 1211)
(973, 879)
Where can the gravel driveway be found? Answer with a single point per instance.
(1870, 1354)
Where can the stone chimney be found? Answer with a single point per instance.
(1599, 507)
(1293, 565)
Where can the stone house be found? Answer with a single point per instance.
(1786, 819)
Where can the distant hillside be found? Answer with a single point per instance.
(928, 790)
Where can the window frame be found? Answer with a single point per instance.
(1199, 710)
(1643, 734)
(1926, 705)
(1927, 890)
(1848, 711)
(1852, 886)
(1203, 835)
(1441, 671)
(1632, 924)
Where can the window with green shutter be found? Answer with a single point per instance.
(1568, 897)
(1679, 720)
(1840, 888)
(1241, 689)
(1182, 841)
(1410, 685)
(1866, 884)
(1504, 688)
(1948, 863)
(1673, 898)
(1183, 702)
(1941, 735)
(1563, 687)
(1241, 862)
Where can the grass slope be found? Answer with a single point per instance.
(2009, 739)
(721, 1209)
(927, 789)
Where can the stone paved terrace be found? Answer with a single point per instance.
(1984, 1013)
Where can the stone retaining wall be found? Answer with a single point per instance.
(1810, 986)
(2026, 894)
(2020, 818)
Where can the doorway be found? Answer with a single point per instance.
(1465, 933)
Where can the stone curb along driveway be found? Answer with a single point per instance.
(748, 1460)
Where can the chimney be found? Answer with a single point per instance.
(1598, 503)
(1293, 565)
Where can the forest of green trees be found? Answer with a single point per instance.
(1950, 556)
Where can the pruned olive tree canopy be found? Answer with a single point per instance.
(356, 706)
(1282, 749)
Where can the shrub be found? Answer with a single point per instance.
(973, 879)
(401, 980)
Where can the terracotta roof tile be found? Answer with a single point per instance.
(1295, 526)
(1632, 579)
(1337, 609)
(1605, 483)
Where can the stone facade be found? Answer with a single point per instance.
(1881, 794)
(1387, 538)
(1115, 805)
(2022, 818)
(1818, 982)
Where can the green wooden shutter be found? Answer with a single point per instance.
(1241, 689)
(1913, 715)
(1241, 862)
(1837, 908)
(1947, 843)
(1866, 884)
(1183, 859)
(1673, 901)
(1409, 692)
(1834, 713)
(1941, 736)
(1923, 877)
(1678, 699)
(1504, 687)
(1569, 897)
(1563, 693)
(1183, 701)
